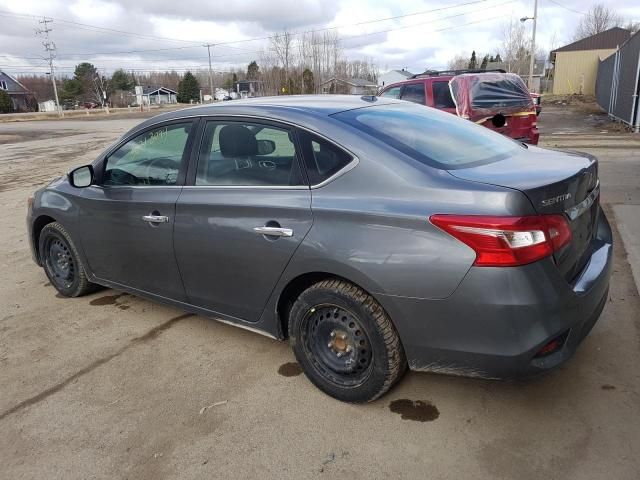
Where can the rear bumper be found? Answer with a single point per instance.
(498, 319)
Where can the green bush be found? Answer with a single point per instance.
(6, 105)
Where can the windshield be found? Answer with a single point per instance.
(430, 136)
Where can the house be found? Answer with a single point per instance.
(248, 88)
(154, 95)
(618, 83)
(21, 98)
(349, 86)
(576, 65)
(522, 69)
(393, 76)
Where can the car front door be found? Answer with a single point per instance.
(128, 217)
(243, 212)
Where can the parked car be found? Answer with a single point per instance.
(376, 235)
(494, 99)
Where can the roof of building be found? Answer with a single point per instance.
(356, 82)
(151, 89)
(538, 67)
(611, 38)
(404, 73)
(14, 87)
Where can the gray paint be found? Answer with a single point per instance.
(368, 225)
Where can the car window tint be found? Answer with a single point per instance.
(152, 158)
(323, 159)
(414, 92)
(247, 154)
(442, 95)
(392, 93)
(431, 136)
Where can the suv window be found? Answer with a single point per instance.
(153, 158)
(247, 154)
(392, 93)
(414, 92)
(442, 95)
(323, 159)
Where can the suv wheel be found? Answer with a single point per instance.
(62, 263)
(345, 342)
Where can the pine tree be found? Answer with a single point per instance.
(188, 89)
(473, 62)
(307, 81)
(485, 61)
(498, 58)
(6, 105)
(253, 71)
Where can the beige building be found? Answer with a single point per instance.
(576, 65)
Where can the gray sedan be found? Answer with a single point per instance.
(375, 235)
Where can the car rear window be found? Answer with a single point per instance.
(431, 136)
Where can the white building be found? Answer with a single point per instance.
(47, 106)
(146, 95)
(393, 76)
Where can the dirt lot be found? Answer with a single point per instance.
(113, 386)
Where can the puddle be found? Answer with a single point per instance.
(608, 387)
(417, 410)
(290, 369)
(106, 300)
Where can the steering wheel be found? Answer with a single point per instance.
(162, 162)
(122, 177)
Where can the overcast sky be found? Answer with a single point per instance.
(428, 34)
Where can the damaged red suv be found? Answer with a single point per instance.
(497, 100)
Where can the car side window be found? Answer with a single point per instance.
(442, 95)
(414, 92)
(322, 159)
(247, 154)
(153, 158)
(392, 93)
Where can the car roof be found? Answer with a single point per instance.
(312, 105)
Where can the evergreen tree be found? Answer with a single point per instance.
(498, 58)
(485, 61)
(6, 105)
(473, 62)
(120, 80)
(253, 71)
(188, 89)
(307, 81)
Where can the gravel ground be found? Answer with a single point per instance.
(114, 386)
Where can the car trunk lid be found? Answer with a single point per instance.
(555, 183)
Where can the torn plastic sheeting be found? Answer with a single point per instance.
(482, 95)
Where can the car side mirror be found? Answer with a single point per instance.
(265, 147)
(81, 177)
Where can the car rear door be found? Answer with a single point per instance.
(243, 212)
(414, 92)
(128, 217)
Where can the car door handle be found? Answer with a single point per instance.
(155, 218)
(274, 231)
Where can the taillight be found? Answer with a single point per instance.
(507, 241)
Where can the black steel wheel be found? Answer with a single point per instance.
(61, 262)
(345, 342)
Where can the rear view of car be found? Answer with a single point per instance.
(498, 101)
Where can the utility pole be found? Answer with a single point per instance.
(50, 48)
(209, 45)
(533, 44)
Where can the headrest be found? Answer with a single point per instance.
(237, 141)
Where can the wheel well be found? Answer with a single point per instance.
(293, 290)
(38, 224)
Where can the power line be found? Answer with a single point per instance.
(567, 8)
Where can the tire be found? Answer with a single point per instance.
(345, 342)
(61, 262)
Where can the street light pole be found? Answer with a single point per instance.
(533, 44)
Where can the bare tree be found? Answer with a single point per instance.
(458, 62)
(598, 19)
(516, 47)
(282, 46)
